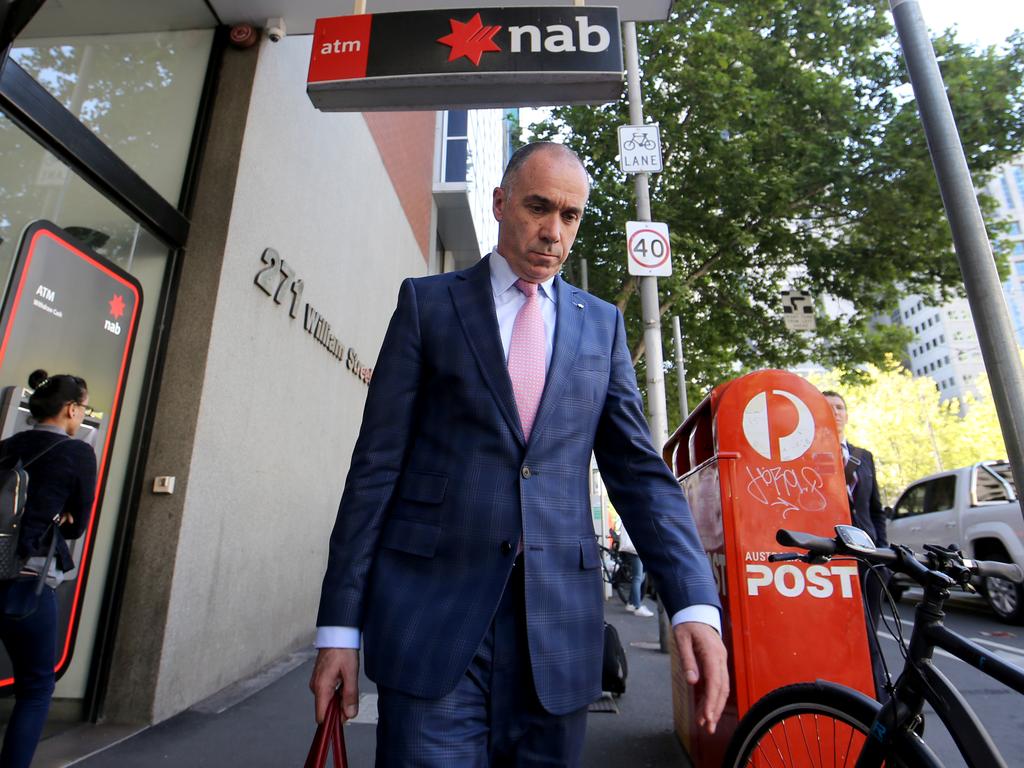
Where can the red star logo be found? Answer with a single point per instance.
(116, 305)
(471, 39)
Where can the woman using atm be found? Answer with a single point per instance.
(61, 490)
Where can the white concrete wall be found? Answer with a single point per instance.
(279, 414)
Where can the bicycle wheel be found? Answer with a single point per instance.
(811, 725)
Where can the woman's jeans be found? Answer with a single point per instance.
(637, 570)
(31, 645)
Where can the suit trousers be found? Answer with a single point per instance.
(492, 719)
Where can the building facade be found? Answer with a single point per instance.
(269, 240)
(945, 345)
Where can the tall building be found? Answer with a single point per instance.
(945, 345)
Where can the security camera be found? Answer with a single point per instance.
(276, 29)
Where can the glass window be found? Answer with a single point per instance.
(139, 93)
(1018, 177)
(911, 502)
(940, 494)
(1014, 227)
(993, 483)
(1018, 249)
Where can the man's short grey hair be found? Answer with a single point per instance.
(521, 155)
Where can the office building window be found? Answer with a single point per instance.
(456, 145)
(1014, 227)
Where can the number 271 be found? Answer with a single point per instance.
(276, 278)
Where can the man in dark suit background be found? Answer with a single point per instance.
(463, 558)
(868, 514)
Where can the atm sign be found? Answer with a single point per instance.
(444, 59)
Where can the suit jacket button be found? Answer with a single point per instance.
(526, 473)
(506, 547)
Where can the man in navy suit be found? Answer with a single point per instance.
(463, 558)
(867, 514)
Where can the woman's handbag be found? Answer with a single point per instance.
(329, 738)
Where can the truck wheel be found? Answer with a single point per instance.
(1006, 599)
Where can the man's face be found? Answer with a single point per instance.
(839, 411)
(539, 215)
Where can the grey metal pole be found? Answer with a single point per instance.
(584, 278)
(984, 293)
(677, 337)
(657, 417)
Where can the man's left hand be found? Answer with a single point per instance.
(704, 657)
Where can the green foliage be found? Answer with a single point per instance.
(794, 157)
(900, 419)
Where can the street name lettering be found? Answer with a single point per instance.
(278, 280)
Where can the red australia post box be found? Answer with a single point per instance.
(761, 453)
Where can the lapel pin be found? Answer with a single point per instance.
(579, 306)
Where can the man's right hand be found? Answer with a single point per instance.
(336, 667)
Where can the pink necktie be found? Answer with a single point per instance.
(526, 356)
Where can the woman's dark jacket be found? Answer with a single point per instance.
(61, 480)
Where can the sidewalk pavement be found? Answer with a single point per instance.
(267, 721)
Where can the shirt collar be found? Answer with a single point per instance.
(503, 278)
(50, 428)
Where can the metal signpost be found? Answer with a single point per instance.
(649, 305)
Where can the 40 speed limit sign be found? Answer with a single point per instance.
(647, 248)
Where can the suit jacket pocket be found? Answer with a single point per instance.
(589, 555)
(592, 362)
(423, 487)
(410, 536)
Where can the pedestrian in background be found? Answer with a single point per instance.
(636, 572)
(867, 514)
(464, 554)
(61, 488)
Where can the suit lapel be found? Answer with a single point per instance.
(569, 325)
(474, 305)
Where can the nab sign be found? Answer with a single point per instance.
(466, 59)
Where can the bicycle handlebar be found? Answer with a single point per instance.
(923, 568)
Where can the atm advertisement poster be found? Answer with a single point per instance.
(69, 310)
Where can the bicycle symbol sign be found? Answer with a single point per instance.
(640, 148)
(648, 249)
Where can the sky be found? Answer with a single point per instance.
(988, 22)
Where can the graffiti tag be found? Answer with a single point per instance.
(789, 490)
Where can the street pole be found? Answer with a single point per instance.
(984, 293)
(657, 418)
(677, 337)
(584, 281)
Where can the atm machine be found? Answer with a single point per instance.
(67, 309)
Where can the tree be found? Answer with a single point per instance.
(793, 158)
(902, 421)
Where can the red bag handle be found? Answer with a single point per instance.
(329, 734)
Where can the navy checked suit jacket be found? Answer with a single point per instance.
(866, 506)
(442, 486)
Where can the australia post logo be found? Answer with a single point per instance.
(451, 42)
(778, 425)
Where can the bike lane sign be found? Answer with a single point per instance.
(648, 250)
(640, 148)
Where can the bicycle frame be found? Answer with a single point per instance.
(921, 681)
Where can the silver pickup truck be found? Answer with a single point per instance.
(976, 509)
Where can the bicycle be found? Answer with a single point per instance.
(640, 139)
(819, 723)
(616, 572)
